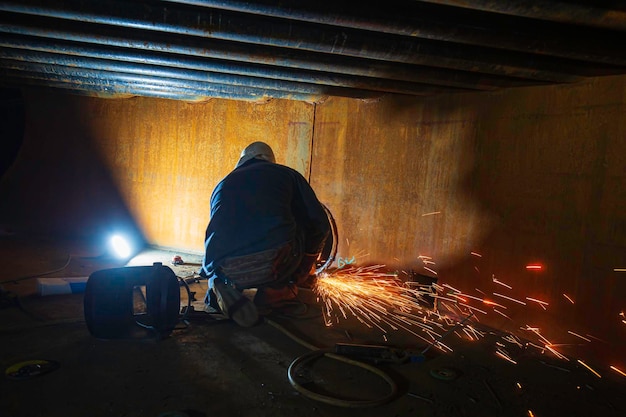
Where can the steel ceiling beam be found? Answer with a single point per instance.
(447, 25)
(105, 67)
(304, 48)
(592, 14)
(63, 52)
(114, 83)
(280, 33)
(20, 31)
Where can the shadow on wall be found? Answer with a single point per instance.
(58, 185)
(544, 167)
(516, 196)
(11, 126)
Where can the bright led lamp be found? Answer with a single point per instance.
(120, 246)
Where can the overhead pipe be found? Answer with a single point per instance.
(124, 83)
(270, 58)
(306, 36)
(501, 32)
(105, 67)
(66, 53)
(10, 77)
(589, 14)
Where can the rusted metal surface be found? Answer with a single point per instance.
(527, 176)
(181, 151)
(103, 164)
(530, 177)
(384, 166)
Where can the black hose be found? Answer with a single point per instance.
(316, 353)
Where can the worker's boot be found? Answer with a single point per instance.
(234, 304)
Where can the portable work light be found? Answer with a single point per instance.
(120, 246)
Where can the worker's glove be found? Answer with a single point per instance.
(305, 272)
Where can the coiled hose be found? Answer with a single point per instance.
(316, 353)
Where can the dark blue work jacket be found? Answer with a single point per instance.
(262, 205)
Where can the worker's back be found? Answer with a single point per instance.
(251, 210)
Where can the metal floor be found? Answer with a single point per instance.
(215, 368)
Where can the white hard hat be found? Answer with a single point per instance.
(260, 150)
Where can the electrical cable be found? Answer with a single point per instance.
(316, 353)
(329, 252)
(15, 280)
(184, 319)
(189, 296)
(17, 300)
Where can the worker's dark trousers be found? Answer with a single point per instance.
(269, 268)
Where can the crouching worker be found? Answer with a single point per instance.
(266, 231)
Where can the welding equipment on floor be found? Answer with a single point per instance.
(132, 302)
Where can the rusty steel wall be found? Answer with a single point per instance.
(519, 177)
(392, 173)
(90, 164)
(487, 185)
(167, 156)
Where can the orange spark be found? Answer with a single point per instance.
(476, 254)
(468, 334)
(496, 281)
(577, 335)
(537, 301)
(493, 303)
(509, 298)
(431, 213)
(458, 297)
(555, 352)
(506, 357)
(513, 339)
(530, 414)
(534, 267)
(568, 298)
(619, 371)
(501, 313)
(452, 288)
(430, 270)
(518, 385)
(378, 300)
(619, 269)
(470, 296)
(473, 308)
(588, 367)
